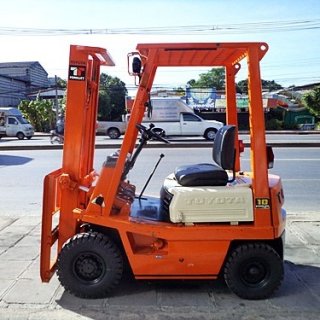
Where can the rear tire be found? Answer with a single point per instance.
(113, 133)
(254, 271)
(54, 139)
(210, 134)
(90, 265)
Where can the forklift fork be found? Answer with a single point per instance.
(50, 229)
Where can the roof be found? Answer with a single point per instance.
(308, 86)
(20, 65)
(201, 54)
(49, 93)
(3, 76)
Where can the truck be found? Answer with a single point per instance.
(173, 117)
(188, 124)
(13, 124)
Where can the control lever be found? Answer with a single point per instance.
(151, 175)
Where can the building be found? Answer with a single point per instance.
(12, 91)
(19, 79)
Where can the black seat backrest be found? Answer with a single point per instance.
(223, 152)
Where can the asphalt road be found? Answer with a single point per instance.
(279, 139)
(22, 174)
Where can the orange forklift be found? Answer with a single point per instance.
(210, 219)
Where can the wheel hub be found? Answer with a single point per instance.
(254, 273)
(89, 267)
(211, 135)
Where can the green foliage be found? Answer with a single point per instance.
(312, 101)
(269, 85)
(39, 113)
(112, 96)
(243, 86)
(277, 113)
(215, 78)
(180, 91)
(61, 83)
(290, 126)
(273, 124)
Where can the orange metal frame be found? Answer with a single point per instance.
(154, 249)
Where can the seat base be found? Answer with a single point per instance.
(203, 174)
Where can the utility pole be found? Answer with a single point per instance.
(56, 97)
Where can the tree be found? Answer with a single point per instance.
(112, 95)
(39, 113)
(61, 83)
(312, 101)
(214, 78)
(180, 91)
(269, 85)
(242, 86)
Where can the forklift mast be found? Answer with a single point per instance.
(63, 188)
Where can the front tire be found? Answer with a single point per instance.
(160, 132)
(20, 135)
(254, 271)
(90, 265)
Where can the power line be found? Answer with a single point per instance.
(253, 27)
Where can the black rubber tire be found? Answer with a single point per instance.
(55, 140)
(159, 135)
(210, 134)
(90, 265)
(160, 132)
(20, 135)
(114, 133)
(254, 271)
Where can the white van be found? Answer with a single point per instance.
(13, 124)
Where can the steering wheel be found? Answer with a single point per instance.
(149, 133)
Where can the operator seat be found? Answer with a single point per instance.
(212, 174)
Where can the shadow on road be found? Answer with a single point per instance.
(6, 160)
(300, 292)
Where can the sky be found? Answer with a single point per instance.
(43, 30)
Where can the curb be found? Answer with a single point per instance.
(154, 145)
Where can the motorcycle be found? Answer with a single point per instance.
(56, 137)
